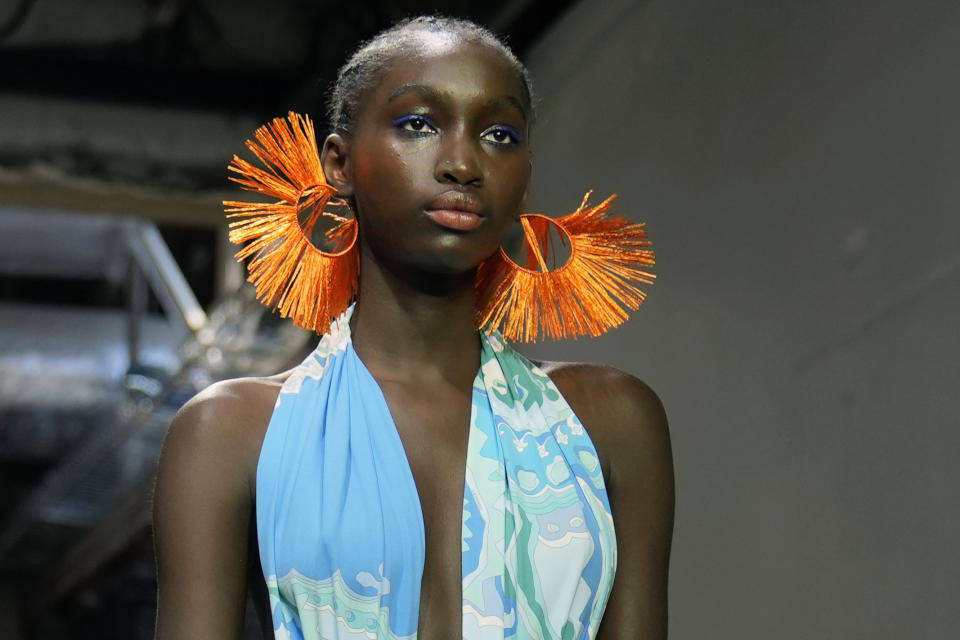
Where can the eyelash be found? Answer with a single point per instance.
(513, 136)
(401, 123)
(407, 123)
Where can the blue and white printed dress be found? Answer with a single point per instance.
(341, 530)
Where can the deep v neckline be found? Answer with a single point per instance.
(381, 398)
(410, 476)
(342, 551)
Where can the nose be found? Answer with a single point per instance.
(458, 162)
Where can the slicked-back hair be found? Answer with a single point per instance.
(366, 66)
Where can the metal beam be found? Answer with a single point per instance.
(166, 279)
(89, 196)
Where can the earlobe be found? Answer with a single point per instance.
(335, 161)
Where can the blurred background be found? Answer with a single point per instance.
(796, 166)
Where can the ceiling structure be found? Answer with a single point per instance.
(153, 96)
(236, 56)
(134, 108)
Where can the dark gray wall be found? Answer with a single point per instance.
(797, 166)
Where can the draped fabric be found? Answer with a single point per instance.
(341, 530)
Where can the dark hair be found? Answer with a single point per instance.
(365, 66)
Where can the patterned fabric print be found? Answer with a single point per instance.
(539, 551)
(341, 529)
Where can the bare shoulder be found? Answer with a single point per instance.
(623, 415)
(607, 399)
(230, 404)
(228, 419)
(203, 508)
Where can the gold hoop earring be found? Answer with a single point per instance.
(586, 295)
(301, 281)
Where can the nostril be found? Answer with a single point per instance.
(463, 178)
(458, 164)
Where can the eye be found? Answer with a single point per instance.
(501, 134)
(414, 124)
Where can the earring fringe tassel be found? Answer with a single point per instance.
(289, 273)
(587, 295)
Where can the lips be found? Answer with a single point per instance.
(456, 210)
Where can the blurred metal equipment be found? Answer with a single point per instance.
(153, 257)
(93, 502)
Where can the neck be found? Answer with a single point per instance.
(417, 328)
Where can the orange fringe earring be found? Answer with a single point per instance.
(584, 296)
(304, 283)
(587, 295)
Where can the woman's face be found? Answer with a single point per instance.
(438, 161)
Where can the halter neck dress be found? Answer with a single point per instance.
(341, 530)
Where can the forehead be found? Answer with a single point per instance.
(447, 65)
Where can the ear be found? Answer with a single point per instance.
(335, 161)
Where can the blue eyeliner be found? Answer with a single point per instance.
(402, 120)
(517, 138)
(429, 128)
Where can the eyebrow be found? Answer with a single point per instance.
(432, 93)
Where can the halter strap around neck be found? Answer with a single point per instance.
(340, 526)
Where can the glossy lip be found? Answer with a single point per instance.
(457, 201)
(456, 220)
(456, 210)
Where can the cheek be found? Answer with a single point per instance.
(371, 169)
(388, 189)
(386, 177)
(514, 178)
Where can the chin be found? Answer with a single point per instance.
(444, 254)
(449, 260)
(447, 265)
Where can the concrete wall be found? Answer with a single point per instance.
(797, 166)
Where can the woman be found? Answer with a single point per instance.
(431, 121)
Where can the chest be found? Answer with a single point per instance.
(433, 425)
(345, 475)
